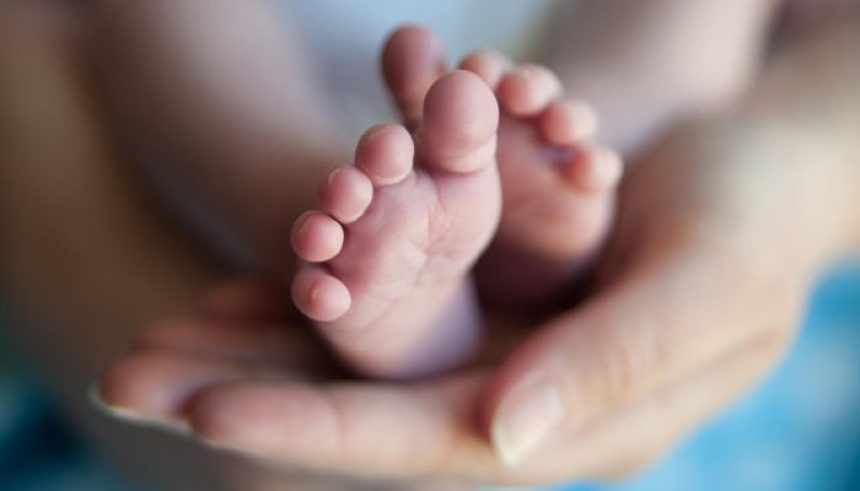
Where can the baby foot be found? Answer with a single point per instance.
(398, 232)
(558, 188)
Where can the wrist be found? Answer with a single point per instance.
(802, 178)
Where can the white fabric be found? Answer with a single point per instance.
(346, 35)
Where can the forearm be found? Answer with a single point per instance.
(85, 257)
(643, 64)
(805, 114)
(221, 103)
(85, 262)
(767, 189)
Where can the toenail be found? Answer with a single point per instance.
(314, 295)
(304, 221)
(374, 132)
(333, 175)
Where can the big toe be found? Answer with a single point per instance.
(461, 119)
(411, 61)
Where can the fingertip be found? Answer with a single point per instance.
(525, 420)
(523, 404)
(154, 384)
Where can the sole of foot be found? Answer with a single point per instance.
(396, 235)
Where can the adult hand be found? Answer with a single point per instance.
(716, 243)
(708, 274)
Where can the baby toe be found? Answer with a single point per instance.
(385, 154)
(594, 169)
(527, 90)
(567, 122)
(489, 65)
(346, 194)
(319, 295)
(317, 237)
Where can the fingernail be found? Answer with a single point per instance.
(133, 417)
(525, 419)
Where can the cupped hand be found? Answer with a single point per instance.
(696, 300)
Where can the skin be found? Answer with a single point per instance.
(671, 58)
(243, 149)
(651, 383)
(176, 75)
(112, 265)
(723, 198)
(553, 178)
(716, 212)
(393, 291)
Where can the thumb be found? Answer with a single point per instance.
(651, 328)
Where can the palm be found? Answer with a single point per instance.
(244, 379)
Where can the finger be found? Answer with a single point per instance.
(654, 326)
(243, 300)
(372, 429)
(153, 385)
(279, 346)
(630, 438)
(361, 428)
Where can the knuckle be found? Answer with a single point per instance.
(628, 365)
